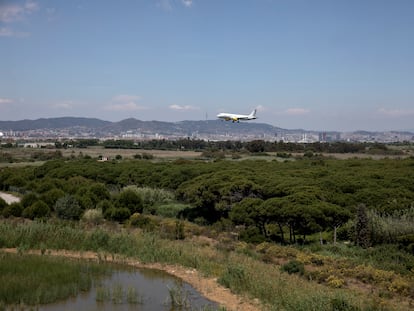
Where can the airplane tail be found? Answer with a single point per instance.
(253, 114)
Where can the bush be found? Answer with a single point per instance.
(3, 204)
(50, 197)
(234, 277)
(104, 205)
(147, 156)
(293, 266)
(171, 210)
(98, 239)
(117, 213)
(252, 234)
(130, 200)
(340, 304)
(14, 209)
(94, 216)
(29, 199)
(152, 196)
(68, 207)
(37, 210)
(143, 222)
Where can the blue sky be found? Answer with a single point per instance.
(312, 64)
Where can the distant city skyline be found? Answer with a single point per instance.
(319, 65)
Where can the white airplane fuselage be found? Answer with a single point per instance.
(237, 117)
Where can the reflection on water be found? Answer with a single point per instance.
(136, 289)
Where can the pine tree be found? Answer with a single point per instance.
(362, 227)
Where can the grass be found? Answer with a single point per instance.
(236, 267)
(34, 280)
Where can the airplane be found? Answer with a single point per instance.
(237, 117)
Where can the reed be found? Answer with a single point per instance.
(34, 280)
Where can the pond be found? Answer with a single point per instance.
(136, 289)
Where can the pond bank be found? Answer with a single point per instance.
(208, 287)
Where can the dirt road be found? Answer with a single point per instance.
(9, 198)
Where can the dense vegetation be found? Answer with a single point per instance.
(367, 201)
(33, 280)
(230, 147)
(309, 202)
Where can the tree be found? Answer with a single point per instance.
(39, 209)
(362, 231)
(104, 205)
(3, 204)
(130, 200)
(255, 146)
(336, 216)
(118, 214)
(29, 199)
(274, 210)
(68, 207)
(14, 209)
(50, 197)
(99, 192)
(249, 212)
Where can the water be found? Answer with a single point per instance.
(135, 289)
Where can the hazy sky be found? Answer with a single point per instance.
(318, 65)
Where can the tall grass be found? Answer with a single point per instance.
(235, 269)
(33, 280)
(387, 228)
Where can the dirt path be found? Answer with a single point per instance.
(9, 198)
(208, 287)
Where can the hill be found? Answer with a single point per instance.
(104, 128)
(51, 123)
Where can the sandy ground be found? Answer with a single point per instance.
(9, 198)
(208, 287)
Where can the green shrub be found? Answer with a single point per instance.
(94, 216)
(3, 204)
(234, 277)
(407, 242)
(130, 200)
(68, 207)
(104, 205)
(252, 234)
(147, 156)
(117, 214)
(171, 210)
(14, 209)
(50, 197)
(98, 239)
(29, 199)
(152, 196)
(341, 304)
(179, 230)
(142, 221)
(292, 267)
(37, 210)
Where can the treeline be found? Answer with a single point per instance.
(255, 146)
(367, 201)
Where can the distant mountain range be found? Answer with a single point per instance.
(52, 123)
(207, 129)
(184, 127)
